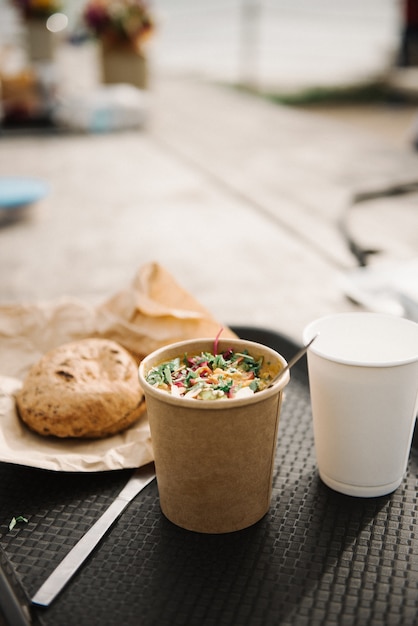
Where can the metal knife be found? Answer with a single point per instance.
(78, 554)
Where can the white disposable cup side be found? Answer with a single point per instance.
(364, 399)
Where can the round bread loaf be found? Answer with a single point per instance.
(87, 388)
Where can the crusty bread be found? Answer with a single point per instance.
(87, 388)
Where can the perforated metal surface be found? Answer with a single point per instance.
(318, 557)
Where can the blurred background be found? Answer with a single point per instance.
(306, 48)
(284, 111)
(339, 58)
(290, 42)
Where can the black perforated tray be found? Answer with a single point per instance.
(317, 557)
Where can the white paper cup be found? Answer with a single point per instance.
(363, 377)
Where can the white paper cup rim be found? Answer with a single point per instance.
(364, 339)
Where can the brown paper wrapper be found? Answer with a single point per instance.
(214, 459)
(153, 311)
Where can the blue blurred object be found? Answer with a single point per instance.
(17, 192)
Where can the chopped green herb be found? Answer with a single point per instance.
(207, 376)
(17, 519)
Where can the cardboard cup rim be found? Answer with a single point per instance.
(210, 404)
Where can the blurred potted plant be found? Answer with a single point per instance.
(40, 41)
(122, 28)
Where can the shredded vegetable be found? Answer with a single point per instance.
(15, 520)
(208, 376)
(216, 342)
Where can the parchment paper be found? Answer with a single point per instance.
(151, 312)
(131, 448)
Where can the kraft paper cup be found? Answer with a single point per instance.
(363, 377)
(214, 459)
